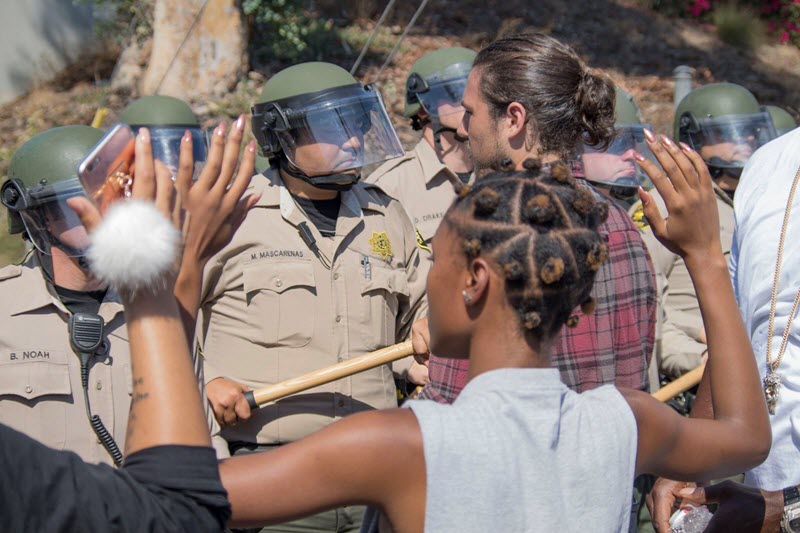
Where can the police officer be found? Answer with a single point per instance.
(613, 171)
(724, 124)
(425, 180)
(41, 391)
(781, 119)
(167, 119)
(323, 268)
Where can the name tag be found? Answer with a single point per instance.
(273, 254)
(30, 355)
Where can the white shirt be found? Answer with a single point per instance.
(759, 210)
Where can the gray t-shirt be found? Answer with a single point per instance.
(518, 451)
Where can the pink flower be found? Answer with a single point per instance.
(784, 38)
(699, 7)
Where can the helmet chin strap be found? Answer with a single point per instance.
(328, 182)
(438, 129)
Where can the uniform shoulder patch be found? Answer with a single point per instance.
(380, 244)
(10, 271)
(637, 215)
(421, 242)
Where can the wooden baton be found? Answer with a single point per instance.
(682, 384)
(259, 397)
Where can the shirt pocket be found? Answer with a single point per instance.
(280, 302)
(34, 396)
(380, 303)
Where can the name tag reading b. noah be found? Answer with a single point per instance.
(30, 355)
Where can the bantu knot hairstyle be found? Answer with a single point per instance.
(538, 226)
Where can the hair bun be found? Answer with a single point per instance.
(596, 99)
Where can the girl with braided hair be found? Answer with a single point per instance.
(518, 450)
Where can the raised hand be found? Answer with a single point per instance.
(213, 205)
(692, 225)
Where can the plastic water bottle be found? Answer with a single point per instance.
(690, 519)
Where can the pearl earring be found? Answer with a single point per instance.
(467, 297)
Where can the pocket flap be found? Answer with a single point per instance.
(385, 279)
(33, 373)
(278, 277)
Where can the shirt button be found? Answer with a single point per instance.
(28, 389)
(279, 283)
(340, 359)
(336, 276)
(99, 385)
(338, 318)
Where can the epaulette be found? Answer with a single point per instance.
(10, 271)
(377, 194)
(390, 165)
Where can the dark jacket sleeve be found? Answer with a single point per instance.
(166, 488)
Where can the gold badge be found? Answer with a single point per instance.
(380, 244)
(639, 219)
(421, 242)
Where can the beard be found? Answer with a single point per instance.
(491, 156)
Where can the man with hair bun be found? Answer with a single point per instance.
(518, 106)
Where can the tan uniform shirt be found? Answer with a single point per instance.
(274, 309)
(423, 185)
(678, 345)
(41, 393)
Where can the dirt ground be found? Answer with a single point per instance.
(636, 47)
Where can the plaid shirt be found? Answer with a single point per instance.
(612, 345)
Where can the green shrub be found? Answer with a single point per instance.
(738, 26)
(285, 30)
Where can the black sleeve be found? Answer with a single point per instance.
(166, 488)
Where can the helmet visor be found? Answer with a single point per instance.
(340, 135)
(729, 141)
(445, 90)
(166, 142)
(616, 165)
(50, 222)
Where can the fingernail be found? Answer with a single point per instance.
(240, 123)
(187, 136)
(649, 135)
(144, 134)
(666, 140)
(686, 492)
(251, 147)
(637, 156)
(220, 131)
(686, 147)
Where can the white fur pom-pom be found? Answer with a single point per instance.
(134, 247)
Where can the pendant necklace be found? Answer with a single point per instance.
(772, 381)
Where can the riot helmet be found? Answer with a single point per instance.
(725, 125)
(42, 175)
(168, 118)
(321, 125)
(781, 119)
(434, 88)
(614, 168)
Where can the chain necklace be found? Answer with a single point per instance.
(772, 381)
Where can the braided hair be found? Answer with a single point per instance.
(538, 228)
